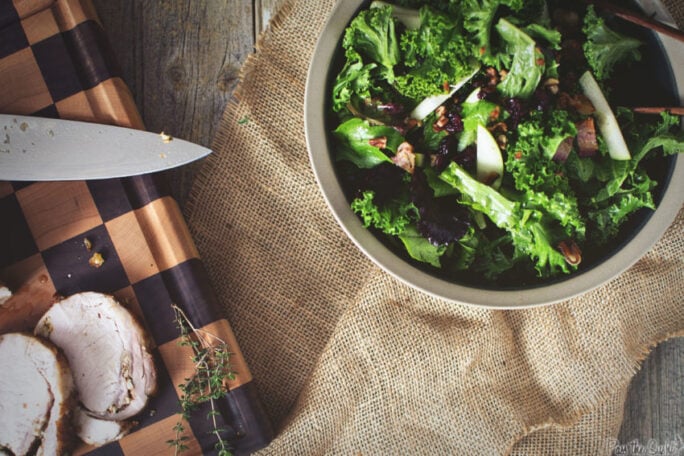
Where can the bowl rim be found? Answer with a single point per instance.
(324, 171)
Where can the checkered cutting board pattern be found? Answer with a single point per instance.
(55, 62)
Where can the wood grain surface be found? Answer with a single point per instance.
(181, 60)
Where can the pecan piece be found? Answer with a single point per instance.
(571, 252)
(405, 158)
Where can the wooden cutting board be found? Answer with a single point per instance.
(55, 61)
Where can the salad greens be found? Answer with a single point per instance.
(479, 137)
(530, 230)
(526, 65)
(604, 47)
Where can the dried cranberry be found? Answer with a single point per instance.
(448, 147)
(542, 99)
(445, 230)
(467, 158)
(455, 123)
(517, 109)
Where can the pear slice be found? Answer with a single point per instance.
(490, 166)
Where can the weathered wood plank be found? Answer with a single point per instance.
(181, 60)
(654, 408)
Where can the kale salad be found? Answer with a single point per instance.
(479, 138)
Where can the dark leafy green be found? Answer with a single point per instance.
(604, 47)
(355, 142)
(527, 63)
(372, 34)
(628, 187)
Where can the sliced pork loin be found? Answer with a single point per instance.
(97, 432)
(108, 352)
(36, 397)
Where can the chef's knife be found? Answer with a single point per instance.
(40, 149)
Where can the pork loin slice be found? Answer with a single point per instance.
(97, 432)
(107, 350)
(36, 397)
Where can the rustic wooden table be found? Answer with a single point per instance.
(182, 59)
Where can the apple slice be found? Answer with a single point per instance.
(490, 166)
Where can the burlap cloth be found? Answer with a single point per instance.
(349, 360)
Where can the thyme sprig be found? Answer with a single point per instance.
(208, 383)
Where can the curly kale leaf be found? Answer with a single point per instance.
(354, 81)
(604, 47)
(434, 55)
(478, 19)
(371, 49)
(642, 139)
(489, 257)
(611, 216)
(391, 218)
(372, 34)
(530, 158)
(542, 180)
(397, 217)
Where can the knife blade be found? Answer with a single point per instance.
(41, 149)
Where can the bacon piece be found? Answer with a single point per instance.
(586, 138)
(564, 149)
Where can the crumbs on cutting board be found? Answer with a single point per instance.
(96, 260)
